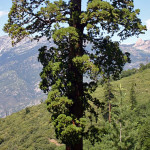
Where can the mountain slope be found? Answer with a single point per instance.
(141, 81)
(31, 128)
(19, 74)
(27, 129)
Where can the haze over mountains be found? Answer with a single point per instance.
(19, 74)
(19, 71)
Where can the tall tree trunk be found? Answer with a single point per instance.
(78, 146)
(76, 76)
(109, 112)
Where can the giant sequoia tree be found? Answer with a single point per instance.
(65, 65)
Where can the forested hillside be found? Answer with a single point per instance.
(129, 127)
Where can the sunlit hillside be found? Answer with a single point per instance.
(31, 129)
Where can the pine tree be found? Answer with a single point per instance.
(65, 64)
(122, 130)
(109, 96)
(133, 96)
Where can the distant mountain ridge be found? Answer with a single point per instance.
(143, 45)
(19, 70)
(19, 74)
(140, 53)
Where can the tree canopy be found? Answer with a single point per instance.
(65, 64)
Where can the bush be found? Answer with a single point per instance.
(1, 140)
(27, 110)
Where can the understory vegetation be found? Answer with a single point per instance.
(125, 127)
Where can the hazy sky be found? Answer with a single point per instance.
(143, 5)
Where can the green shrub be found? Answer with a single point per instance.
(1, 140)
(27, 110)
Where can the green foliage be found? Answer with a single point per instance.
(31, 131)
(27, 109)
(93, 134)
(65, 64)
(133, 96)
(128, 72)
(143, 67)
(134, 122)
(141, 80)
(124, 131)
(1, 140)
(68, 132)
(108, 93)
